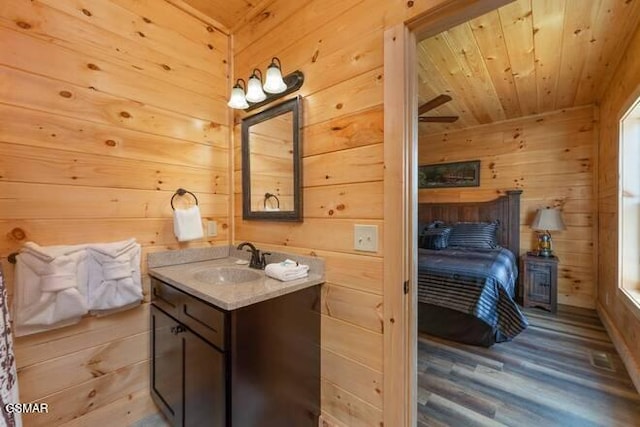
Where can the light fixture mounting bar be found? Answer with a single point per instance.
(293, 81)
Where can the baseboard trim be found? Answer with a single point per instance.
(623, 350)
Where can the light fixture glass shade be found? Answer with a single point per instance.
(548, 219)
(273, 81)
(254, 88)
(237, 99)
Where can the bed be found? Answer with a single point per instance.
(469, 294)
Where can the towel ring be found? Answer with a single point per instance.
(12, 257)
(182, 192)
(267, 196)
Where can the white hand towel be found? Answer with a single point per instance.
(287, 270)
(114, 275)
(187, 224)
(49, 291)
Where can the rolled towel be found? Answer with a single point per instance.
(187, 224)
(287, 270)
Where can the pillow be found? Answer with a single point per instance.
(422, 226)
(435, 238)
(474, 235)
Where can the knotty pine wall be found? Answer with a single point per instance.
(338, 44)
(622, 92)
(552, 158)
(106, 108)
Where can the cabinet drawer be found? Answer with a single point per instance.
(166, 297)
(202, 318)
(205, 320)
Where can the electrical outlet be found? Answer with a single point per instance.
(212, 228)
(365, 238)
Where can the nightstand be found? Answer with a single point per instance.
(540, 282)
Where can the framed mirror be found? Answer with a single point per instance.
(271, 163)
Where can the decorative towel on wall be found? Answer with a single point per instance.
(8, 373)
(114, 279)
(187, 223)
(56, 285)
(50, 287)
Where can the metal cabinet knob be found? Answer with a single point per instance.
(178, 329)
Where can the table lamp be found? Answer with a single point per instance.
(547, 219)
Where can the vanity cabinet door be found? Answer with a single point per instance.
(204, 383)
(166, 365)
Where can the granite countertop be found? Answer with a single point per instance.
(195, 276)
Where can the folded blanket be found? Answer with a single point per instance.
(287, 270)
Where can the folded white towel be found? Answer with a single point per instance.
(49, 290)
(287, 270)
(187, 224)
(49, 253)
(114, 275)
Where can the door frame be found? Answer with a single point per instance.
(400, 353)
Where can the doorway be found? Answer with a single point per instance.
(400, 199)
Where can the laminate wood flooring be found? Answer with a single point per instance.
(563, 370)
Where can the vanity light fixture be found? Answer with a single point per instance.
(237, 99)
(254, 87)
(257, 94)
(273, 82)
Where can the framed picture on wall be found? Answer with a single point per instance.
(443, 175)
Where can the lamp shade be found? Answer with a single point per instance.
(273, 81)
(254, 88)
(548, 219)
(237, 99)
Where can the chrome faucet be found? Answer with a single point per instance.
(257, 261)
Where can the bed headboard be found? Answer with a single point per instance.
(505, 208)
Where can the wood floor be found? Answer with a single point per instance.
(562, 371)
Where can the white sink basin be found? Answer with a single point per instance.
(231, 275)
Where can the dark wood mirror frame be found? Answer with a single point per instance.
(295, 106)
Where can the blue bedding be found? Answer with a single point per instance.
(479, 282)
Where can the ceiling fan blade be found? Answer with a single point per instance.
(433, 103)
(442, 119)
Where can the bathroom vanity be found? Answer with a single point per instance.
(232, 347)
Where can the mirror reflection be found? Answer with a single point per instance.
(271, 164)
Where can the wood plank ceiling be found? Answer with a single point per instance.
(227, 12)
(528, 57)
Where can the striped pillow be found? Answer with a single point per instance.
(474, 235)
(435, 238)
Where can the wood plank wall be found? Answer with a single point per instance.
(339, 47)
(622, 92)
(552, 158)
(106, 108)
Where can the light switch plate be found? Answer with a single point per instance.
(365, 238)
(212, 228)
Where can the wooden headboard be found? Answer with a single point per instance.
(506, 209)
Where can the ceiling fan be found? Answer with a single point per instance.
(434, 103)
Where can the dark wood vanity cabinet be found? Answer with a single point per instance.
(258, 365)
(188, 374)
